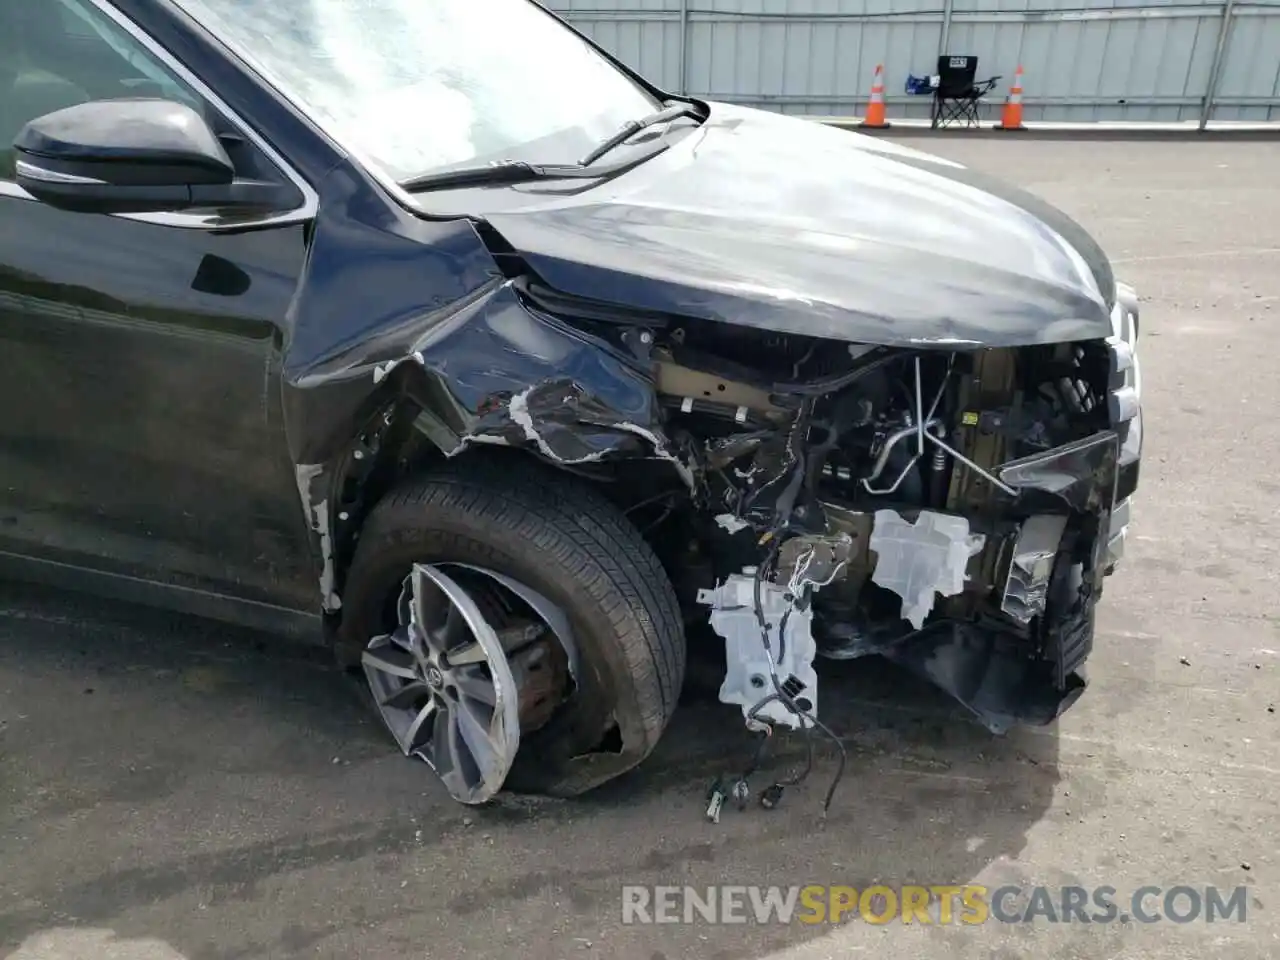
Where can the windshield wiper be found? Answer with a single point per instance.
(519, 171)
(500, 171)
(671, 111)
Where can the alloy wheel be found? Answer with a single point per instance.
(453, 686)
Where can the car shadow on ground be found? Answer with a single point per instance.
(166, 779)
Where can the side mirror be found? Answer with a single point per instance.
(124, 156)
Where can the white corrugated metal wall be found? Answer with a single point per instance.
(1127, 60)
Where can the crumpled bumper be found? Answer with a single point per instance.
(1027, 666)
(999, 686)
(988, 666)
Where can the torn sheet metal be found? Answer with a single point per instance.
(497, 373)
(918, 560)
(750, 667)
(518, 410)
(316, 506)
(566, 423)
(660, 451)
(1031, 567)
(1080, 475)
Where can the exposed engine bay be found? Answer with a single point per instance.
(867, 495)
(856, 498)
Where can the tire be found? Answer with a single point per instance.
(558, 535)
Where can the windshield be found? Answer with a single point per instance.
(419, 85)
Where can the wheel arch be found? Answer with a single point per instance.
(495, 378)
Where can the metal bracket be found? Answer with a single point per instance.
(639, 340)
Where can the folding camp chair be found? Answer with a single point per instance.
(957, 95)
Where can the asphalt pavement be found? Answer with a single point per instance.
(173, 790)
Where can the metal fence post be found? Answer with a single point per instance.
(1215, 71)
(945, 36)
(682, 84)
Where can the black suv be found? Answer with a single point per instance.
(433, 332)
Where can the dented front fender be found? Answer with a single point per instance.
(399, 313)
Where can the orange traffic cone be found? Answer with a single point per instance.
(1012, 119)
(875, 106)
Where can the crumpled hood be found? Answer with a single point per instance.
(788, 225)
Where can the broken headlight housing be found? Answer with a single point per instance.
(1125, 409)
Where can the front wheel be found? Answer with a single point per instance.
(513, 627)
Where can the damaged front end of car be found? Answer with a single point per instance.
(955, 511)
(950, 503)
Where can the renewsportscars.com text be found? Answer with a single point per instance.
(967, 904)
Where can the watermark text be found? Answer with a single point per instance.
(943, 904)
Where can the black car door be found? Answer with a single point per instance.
(140, 427)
